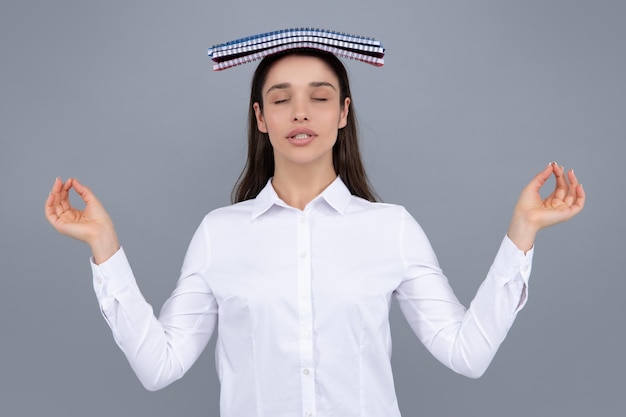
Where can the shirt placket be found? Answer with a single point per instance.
(305, 309)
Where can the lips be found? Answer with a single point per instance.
(301, 133)
(301, 136)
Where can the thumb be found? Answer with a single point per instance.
(84, 192)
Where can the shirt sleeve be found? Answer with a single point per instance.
(465, 340)
(161, 350)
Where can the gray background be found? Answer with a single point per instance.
(475, 98)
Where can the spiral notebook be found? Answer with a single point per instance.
(252, 48)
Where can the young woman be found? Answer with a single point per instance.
(299, 273)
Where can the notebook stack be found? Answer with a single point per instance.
(252, 48)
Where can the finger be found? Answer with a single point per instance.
(65, 189)
(68, 184)
(554, 167)
(59, 209)
(49, 208)
(63, 202)
(540, 179)
(581, 197)
(560, 188)
(572, 190)
(53, 210)
(84, 192)
(52, 199)
(56, 187)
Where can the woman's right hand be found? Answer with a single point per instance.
(91, 225)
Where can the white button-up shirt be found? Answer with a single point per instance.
(302, 300)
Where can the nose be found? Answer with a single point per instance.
(300, 117)
(300, 111)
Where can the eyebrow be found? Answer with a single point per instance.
(314, 84)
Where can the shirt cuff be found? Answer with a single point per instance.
(112, 275)
(511, 262)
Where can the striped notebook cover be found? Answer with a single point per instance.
(252, 48)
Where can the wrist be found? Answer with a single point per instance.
(522, 233)
(104, 245)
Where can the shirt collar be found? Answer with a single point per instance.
(336, 195)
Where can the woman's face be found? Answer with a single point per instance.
(301, 111)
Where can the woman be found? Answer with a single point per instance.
(299, 273)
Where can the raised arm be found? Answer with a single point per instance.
(467, 340)
(159, 350)
(91, 225)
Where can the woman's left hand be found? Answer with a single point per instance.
(532, 213)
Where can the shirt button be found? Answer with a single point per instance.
(302, 220)
(306, 371)
(525, 268)
(303, 255)
(305, 333)
(308, 414)
(99, 280)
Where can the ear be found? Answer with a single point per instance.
(260, 121)
(343, 119)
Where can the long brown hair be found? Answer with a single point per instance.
(259, 166)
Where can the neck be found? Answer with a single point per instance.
(298, 185)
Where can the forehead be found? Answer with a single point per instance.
(299, 71)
